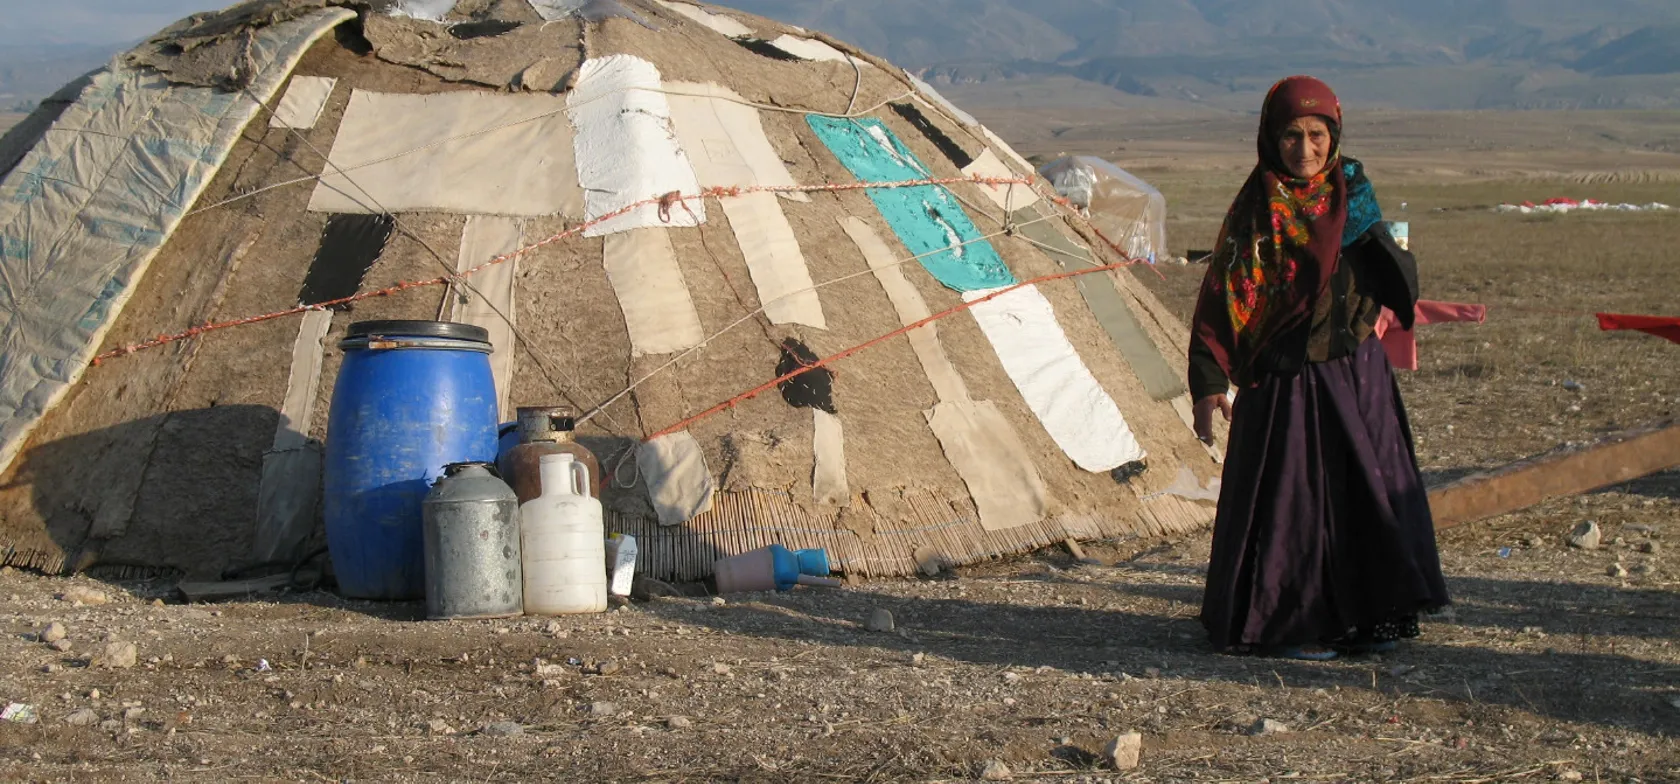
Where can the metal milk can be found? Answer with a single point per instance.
(471, 522)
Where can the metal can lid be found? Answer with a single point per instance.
(419, 329)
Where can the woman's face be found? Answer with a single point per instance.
(1305, 146)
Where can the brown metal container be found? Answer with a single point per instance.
(544, 431)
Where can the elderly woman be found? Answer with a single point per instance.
(1323, 543)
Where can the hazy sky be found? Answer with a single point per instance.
(92, 21)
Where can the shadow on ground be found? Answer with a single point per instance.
(1580, 678)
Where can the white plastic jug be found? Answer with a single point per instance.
(563, 542)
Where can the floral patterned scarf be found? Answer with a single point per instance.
(1282, 237)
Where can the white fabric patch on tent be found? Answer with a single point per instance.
(301, 106)
(727, 25)
(626, 152)
(291, 470)
(678, 482)
(1079, 415)
(911, 308)
(83, 213)
(491, 297)
(829, 486)
(1009, 197)
(980, 444)
(1026, 166)
(727, 145)
(658, 311)
(725, 139)
(772, 252)
(429, 10)
(933, 95)
(992, 460)
(811, 49)
(470, 152)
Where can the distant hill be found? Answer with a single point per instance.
(1417, 54)
(1421, 54)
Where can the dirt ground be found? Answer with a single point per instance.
(1548, 667)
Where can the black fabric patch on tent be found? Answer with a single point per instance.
(813, 389)
(349, 247)
(945, 143)
(770, 50)
(466, 31)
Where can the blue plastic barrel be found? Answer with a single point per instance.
(411, 398)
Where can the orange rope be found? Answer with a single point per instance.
(664, 202)
(806, 368)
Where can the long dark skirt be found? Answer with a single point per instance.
(1323, 533)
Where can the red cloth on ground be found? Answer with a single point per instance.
(1661, 326)
(1401, 344)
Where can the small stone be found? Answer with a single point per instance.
(1535, 541)
(502, 729)
(82, 718)
(118, 656)
(1570, 775)
(1586, 536)
(718, 601)
(918, 658)
(54, 632)
(62, 646)
(52, 668)
(679, 722)
(720, 669)
(1643, 568)
(552, 627)
(111, 725)
(1012, 678)
(609, 667)
(881, 620)
(84, 595)
(440, 727)
(1123, 752)
(601, 710)
(157, 602)
(1268, 727)
(996, 771)
(1616, 570)
(93, 695)
(1650, 547)
(130, 714)
(1152, 672)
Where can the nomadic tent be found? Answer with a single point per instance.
(1127, 211)
(657, 209)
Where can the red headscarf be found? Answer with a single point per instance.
(1282, 238)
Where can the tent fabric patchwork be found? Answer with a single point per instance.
(928, 219)
(626, 152)
(471, 153)
(545, 170)
(124, 164)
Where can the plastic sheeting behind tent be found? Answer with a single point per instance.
(1129, 212)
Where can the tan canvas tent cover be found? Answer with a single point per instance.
(649, 203)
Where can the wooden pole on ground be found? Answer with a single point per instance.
(1611, 460)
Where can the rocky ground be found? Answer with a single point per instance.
(1558, 663)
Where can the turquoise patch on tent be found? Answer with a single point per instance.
(927, 218)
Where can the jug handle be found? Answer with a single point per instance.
(580, 479)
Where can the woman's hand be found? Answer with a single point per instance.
(1204, 415)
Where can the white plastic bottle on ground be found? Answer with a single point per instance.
(563, 542)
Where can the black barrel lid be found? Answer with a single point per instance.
(419, 329)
